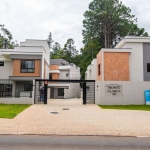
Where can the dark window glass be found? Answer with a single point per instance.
(67, 74)
(1, 63)
(28, 87)
(5, 90)
(99, 70)
(50, 76)
(1, 87)
(8, 88)
(60, 91)
(148, 67)
(87, 87)
(27, 66)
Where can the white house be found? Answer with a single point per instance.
(61, 69)
(19, 67)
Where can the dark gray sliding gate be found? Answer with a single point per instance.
(90, 92)
(40, 90)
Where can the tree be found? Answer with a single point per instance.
(70, 51)
(108, 21)
(57, 51)
(49, 40)
(6, 36)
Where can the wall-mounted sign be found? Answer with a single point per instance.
(114, 90)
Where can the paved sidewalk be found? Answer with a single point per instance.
(78, 120)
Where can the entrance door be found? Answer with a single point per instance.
(60, 92)
(52, 92)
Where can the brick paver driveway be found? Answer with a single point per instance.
(78, 120)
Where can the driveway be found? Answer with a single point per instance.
(78, 120)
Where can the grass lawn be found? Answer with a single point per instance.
(127, 107)
(11, 110)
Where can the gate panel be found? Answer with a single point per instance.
(39, 92)
(90, 92)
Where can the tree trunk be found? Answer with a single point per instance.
(105, 34)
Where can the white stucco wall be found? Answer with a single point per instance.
(91, 72)
(22, 100)
(42, 43)
(133, 93)
(74, 72)
(6, 70)
(73, 91)
(63, 73)
(135, 61)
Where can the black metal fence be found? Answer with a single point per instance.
(90, 92)
(40, 90)
(5, 88)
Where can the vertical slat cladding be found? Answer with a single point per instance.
(90, 92)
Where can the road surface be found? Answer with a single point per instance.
(41, 142)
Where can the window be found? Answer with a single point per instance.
(87, 87)
(60, 91)
(50, 76)
(28, 87)
(1, 87)
(1, 63)
(27, 66)
(67, 74)
(99, 70)
(148, 67)
(5, 90)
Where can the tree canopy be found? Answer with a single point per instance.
(6, 36)
(108, 21)
(105, 23)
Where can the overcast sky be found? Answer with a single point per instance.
(34, 19)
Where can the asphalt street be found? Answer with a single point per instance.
(38, 142)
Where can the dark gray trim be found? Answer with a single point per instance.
(146, 59)
(58, 62)
(19, 56)
(23, 78)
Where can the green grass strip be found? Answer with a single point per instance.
(11, 110)
(126, 107)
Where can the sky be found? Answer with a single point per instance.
(35, 19)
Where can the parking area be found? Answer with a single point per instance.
(71, 117)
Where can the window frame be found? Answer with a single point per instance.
(4, 92)
(1, 63)
(148, 67)
(60, 92)
(99, 69)
(27, 68)
(67, 74)
(30, 85)
(50, 76)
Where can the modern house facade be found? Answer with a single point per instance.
(19, 67)
(123, 73)
(90, 74)
(62, 70)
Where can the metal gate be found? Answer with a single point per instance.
(40, 90)
(90, 92)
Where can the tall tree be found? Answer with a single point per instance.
(57, 51)
(70, 51)
(108, 21)
(5, 36)
(49, 40)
